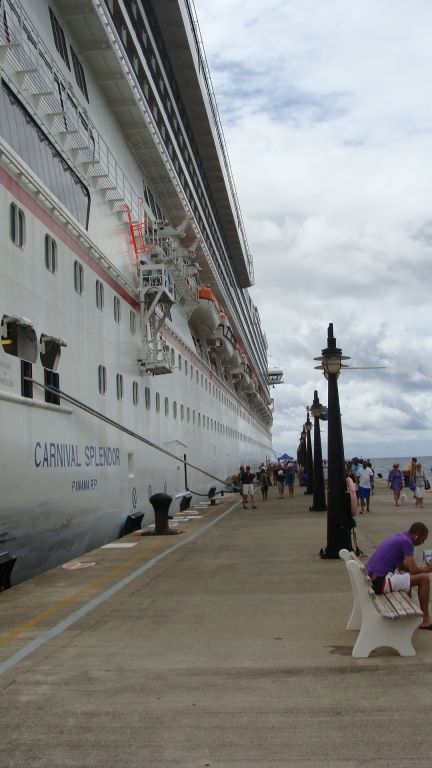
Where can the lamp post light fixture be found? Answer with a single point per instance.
(309, 460)
(338, 523)
(319, 499)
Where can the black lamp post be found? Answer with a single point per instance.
(338, 524)
(319, 499)
(309, 460)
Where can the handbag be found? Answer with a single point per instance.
(411, 484)
(427, 484)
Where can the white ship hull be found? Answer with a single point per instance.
(69, 480)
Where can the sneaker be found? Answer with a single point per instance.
(368, 510)
(362, 511)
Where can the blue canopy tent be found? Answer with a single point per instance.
(285, 457)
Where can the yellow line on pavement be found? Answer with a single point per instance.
(94, 584)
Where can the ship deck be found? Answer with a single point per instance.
(224, 646)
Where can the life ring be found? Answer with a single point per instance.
(353, 495)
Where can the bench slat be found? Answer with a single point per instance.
(385, 608)
(411, 608)
(397, 604)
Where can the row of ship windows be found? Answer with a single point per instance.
(17, 234)
(191, 416)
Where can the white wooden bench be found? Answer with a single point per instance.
(389, 619)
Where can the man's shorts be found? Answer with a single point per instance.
(393, 582)
(248, 489)
(364, 493)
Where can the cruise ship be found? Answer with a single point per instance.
(132, 356)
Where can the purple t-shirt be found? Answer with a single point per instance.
(390, 554)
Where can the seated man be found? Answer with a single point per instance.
(392, 568)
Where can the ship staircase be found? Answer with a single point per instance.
(156, 292)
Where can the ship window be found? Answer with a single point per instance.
(191, 370)
(166, 406)
(59, 38)
(119, 382)
(30, 142)
(175, 409)
(99, 295)
(172, 356)
(202, 381)
(186, 367)
(206, 385)
(211, 424)
(132, 321)
(208, 421)
(117, 309)
(204, 421)
(18, 338)
(199, 419)
(123, 34)
(79, 74)
(188, 415)
(135, 393)
(102, 379)
(52, 379)
(197, 376)
(193, 418)
(213, 390)
(179, 362)
(26, 374)
(147, 398)
(17, 225)
(182, 412)
(78, 277)
(50, 254)
(157, 402)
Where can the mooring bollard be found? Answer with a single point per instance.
(161, 503)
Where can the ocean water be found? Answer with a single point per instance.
(385, 465)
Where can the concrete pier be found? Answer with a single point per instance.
(225, 647)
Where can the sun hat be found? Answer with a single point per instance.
(396, 464)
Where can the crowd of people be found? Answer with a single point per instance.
(359, 473)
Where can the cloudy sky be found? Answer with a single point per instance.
(327, 112)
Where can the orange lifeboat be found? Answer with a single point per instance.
(207, 314)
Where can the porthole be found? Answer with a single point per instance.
(50, 254)
(157, 402)
(132, 320)
(182, 412)
(99, 295)
(186, 368)
(102, 379)
(175, 409)
(78, 278)
(117, 309)
(166, 407)
(188, 415)
(179, 362)
(17, 225)
(135, 393)
(119, 386)
(147, 398)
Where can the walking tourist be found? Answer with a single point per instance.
(263, 481)
(419, 484)
(395, 481)
(281, 474)
(248, 487)
(364, 475)
(240, 481)
(392, 568)
(290, 480)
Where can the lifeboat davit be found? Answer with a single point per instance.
(223, 340)
(242, 375)
(235, 360)
(207, 314)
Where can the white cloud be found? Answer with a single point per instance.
(328, 120)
